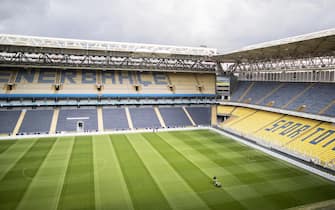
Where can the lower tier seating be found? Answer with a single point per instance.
(36, 121)
(144, 117)
(307, 138)
(8, 121)
(174, 117)
(90, 119)
(68, 119)
(115, 119)
(200, 115)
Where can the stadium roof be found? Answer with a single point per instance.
(314, 44)
(103, 46)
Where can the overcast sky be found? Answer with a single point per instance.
(222, 24)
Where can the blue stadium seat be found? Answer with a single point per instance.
(144, 117)
(174, 117)
(115, 119)
(200, 115)
(68, 119)
(285, 94)
(36, 121)
(8, 121)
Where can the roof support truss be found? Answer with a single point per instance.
(108, 61)
(308, 63)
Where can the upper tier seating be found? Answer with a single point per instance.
(239, 90)
(36, 121)
(174, 116)
(258, 91)
(68, 119)
(285, 93)
(8, 121)
(200, 115)
(315, 98)
(144, 117)
(115, 119)
(49, 83)
(330, 111)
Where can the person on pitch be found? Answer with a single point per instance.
(216, 182)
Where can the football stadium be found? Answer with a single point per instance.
(110, 125)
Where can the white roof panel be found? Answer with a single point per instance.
(34, 41)
(312, 44)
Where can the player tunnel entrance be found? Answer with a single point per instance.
(80, 126)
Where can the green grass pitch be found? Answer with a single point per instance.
(165, 170)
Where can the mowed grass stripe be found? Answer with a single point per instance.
(215, 198)
(110, 188)
(229, 149)
(239, 191)
(179, 194)
(238, 152)
(13, 154)
(240, 172)
(201, 161)
(294, 186)
(144, 191)
(45, 188)
(218, 156)
(243, 167)
(15, 183)
(5, 144)
(209, 167)
(254, 163)
(78, 187)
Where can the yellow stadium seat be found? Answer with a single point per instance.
(309, 138)
(225, 109)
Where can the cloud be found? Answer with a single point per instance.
(222, 24)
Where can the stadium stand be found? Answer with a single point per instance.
(311, 139)
(69, 119)
(318, 142)
(36, 121)
(40, 121)
(330, 111)
(144, 117)
(306, 97)
(184, 83)
(258, 90)
(225, 110)
(315, 98)
(35, 81)
(240, 89)
(284, 94)
(174, 116)
(75, 81)
(48, 83)
(204, 81)
(240, 113)
(200, 115)
(115, 119)
(8, 121)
